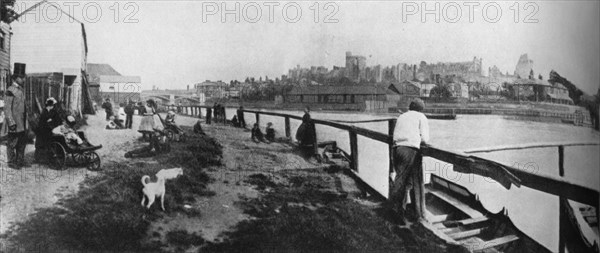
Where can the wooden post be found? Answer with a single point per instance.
(257, 118)
(419, 189)
(561, 206)
(288, 133)
(391, 127)
(353, 150)
(225, 115)
(316, 144)
(561, 161)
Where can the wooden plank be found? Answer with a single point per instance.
(465, 234)
(456, 203)
(435, 218)
(473, 220)
(496, 242)
(530, 145)
(439, 234)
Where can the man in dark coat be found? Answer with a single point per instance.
(216, 112)
(240, 116)
(208, 115)
(107, 105)
(129, 110)
(15, 125)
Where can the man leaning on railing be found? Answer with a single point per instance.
(412, 130)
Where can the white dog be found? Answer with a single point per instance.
(157, 189)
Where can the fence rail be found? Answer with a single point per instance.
(552, 185)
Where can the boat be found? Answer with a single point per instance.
(581, 228)
(440, 116)
(456, 215)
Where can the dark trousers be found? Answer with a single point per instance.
(208, 119)
(15, 147)
(407, 161)
(108, 114)
(242, 122)
(128, 121)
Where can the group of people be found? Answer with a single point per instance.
(217, 112)
(124, 117)
(258, 136)
(16, 129)
(410, 133)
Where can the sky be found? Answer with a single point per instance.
(172, 44)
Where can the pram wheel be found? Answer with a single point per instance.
(78, 159)
(93, 161)
(58, 156)
(170, 135)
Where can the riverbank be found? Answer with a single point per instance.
(527, 111)
(235, 195)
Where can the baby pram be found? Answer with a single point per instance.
(60, 149)
(172, 131)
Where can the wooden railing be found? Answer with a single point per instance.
(557, 186)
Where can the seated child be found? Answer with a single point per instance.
(270, 132)
(66, 130)
(234, 121)
(257, 135)
(198, 128)
(111, 124)
(170, 122)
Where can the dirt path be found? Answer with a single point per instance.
(37, 186)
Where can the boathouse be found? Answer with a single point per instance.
(106, 82)
(359, 98)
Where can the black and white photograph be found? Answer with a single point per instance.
(299, 126)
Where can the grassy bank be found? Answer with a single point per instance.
(309, 211)
(106, 215)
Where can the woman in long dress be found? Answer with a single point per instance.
(147, 124)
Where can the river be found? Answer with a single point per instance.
(534, 212)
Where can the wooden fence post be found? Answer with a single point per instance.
(225, 115)
(288, 133)
(257, 118)
(316, 144)
(353, 150)
(419, 190)
(391, 127)
(561, 203)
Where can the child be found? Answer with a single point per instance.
(170, 122)
(198, 128)
(257, 135)
(270, 132)
(111, 123)
(66, 129)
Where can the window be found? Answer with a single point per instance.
(2, 41)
